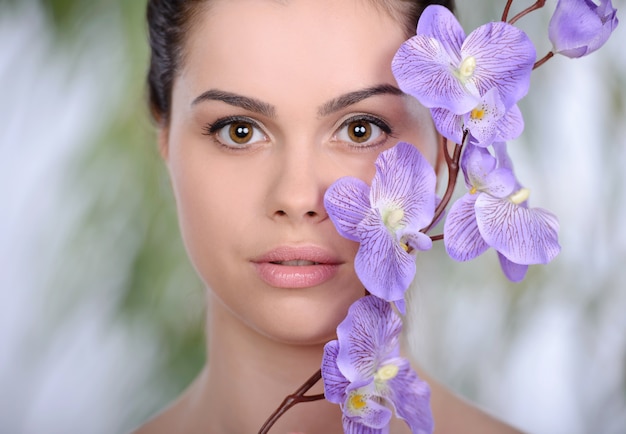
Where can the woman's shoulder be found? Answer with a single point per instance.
(453, 414)
(172, 419)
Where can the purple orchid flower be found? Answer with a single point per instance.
(487, 123)
(364, 373)
(445, 70)
(494, 213)
(386, 219)
(580, 27)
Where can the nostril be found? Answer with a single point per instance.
(307, 214)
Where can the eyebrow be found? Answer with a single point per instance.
(236, 100)
(351, 98)
(268, 110)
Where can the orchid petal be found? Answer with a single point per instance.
(524, 236)
(483, 121)
(504, 58)
(511, 125)
(482, 175)
(448, 124)
(335, 383)
(435, 85)
(461, 236)
(514, 272)
(372, 415)
(487, 119)
(400, 305)
(477, 163)
(383, 266)
(367, 335)
(431, 52)
(405, 178)
(411, 399)
(355, 426)
(347, 203)
(416, 240)
(439, 23)
(502, 157)
(499, 183)
(352, 427)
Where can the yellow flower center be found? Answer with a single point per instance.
(386, 372)
(520, 196)
(467, 67)
(356, 401)
(477, 114)
(473, 190)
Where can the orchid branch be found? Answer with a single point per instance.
(452, 161)
(505, 14)
(295, 398)
(538, 5)
(543, 60)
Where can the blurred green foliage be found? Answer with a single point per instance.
(160, 291)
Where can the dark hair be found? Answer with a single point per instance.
(169, 21)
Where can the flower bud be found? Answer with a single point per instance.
(580, 27)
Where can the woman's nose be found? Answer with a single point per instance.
(296, 193)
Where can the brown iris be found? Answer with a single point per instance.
(240, 132)
(359, 131)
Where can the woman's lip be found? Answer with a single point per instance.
(296, 267)
(302, 253)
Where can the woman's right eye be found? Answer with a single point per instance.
(236, 132)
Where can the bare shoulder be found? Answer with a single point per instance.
(454, 414)
(170, 420)
(186, 414)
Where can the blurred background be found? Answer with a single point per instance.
(101, 314)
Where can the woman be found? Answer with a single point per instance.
(261, 105)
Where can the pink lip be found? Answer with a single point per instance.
(271, 270)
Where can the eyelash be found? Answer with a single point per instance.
(217, 128)
(385, 129)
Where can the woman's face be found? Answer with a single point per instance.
(274, 102)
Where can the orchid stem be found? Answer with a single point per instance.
(505, 14)
(452, 161)
(293, 399)
(538, 5)
(543, 60)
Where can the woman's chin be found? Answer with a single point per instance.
(303, 321)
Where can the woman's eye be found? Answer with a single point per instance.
(363, 131)
(236, 133)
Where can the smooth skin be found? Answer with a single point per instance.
(274, 102)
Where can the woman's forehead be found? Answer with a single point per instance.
(264, 45)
